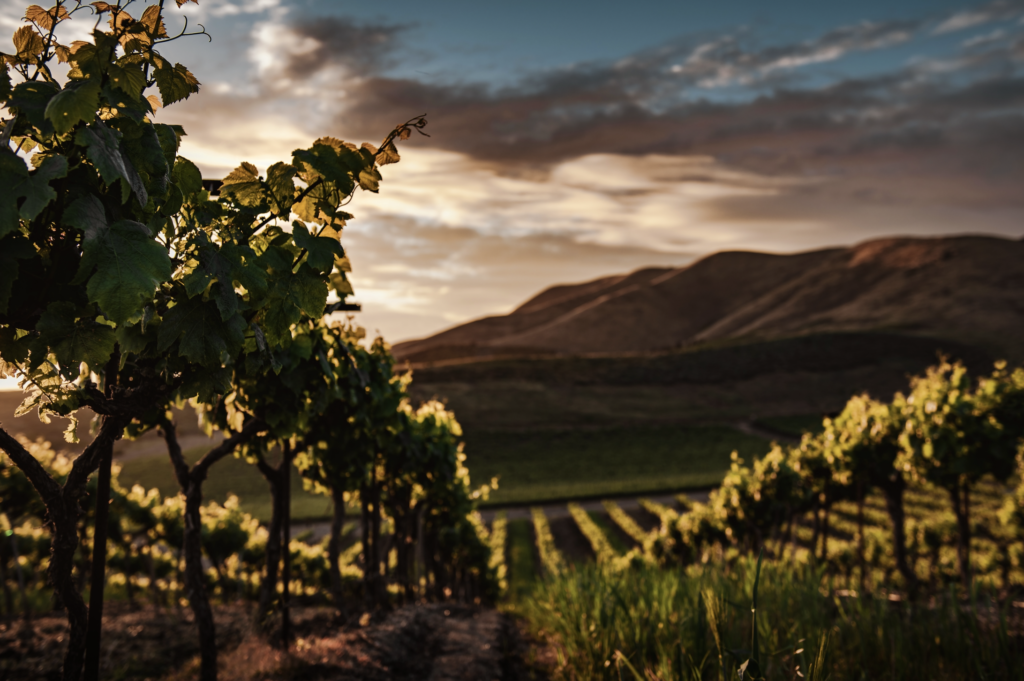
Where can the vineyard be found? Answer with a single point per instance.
(133, 288)
(893, 540)
(888, 543)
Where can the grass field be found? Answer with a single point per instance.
(544, 465)
(229, 476)
(535, 466)
(694, 622)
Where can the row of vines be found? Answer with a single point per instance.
(950, 451)
(129, 289)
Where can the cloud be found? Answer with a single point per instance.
(321, 50)
(1000, 10)
(725, 61)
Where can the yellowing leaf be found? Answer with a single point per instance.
(44, 19)
(244, 186)
(154, 22)
(154, 102)
(28, 42)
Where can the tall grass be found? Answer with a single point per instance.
(697, 623)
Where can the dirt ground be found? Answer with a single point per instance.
(429, 642)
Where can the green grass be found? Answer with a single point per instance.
(601, 520)
(229, 476)
(544, 465)
(697, 624)
(522, 560)
(794, 426)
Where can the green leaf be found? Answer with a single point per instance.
(12, 172)
(244, 186)
(12, 249)
(128, 79)
(36, 188)
(320, 250)
(142, 145)
(186, 176)
(87, 215)
(169, 142)
(30, 99)
(205, 338)
(291, 297)
(217, 268)
(207, 384)
(341, 284)
(175, 83)
(128, 263)
(75, 340)
(335, 163)
(74, 104)
(103, 145)
(280, 179)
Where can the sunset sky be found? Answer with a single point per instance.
(571, 140)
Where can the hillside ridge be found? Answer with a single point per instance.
(969, 289)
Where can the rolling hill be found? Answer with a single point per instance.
(968, 290)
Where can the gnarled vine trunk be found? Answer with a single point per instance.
(334, 547)
(893, 492)
(62, 515)
(960, 495)
(191, 482)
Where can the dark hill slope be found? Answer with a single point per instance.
(965, 289)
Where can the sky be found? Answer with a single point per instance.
(571, 140)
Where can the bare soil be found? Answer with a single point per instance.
(427, 642)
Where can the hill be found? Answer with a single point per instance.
(964, 289)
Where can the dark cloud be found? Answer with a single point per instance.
(931, 121)
(338, 41)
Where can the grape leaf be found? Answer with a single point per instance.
(168, 142)
(75, 340)
(282, 186)
(186, 176)
(12, 172)
(75, 103)
(335, 164)
(36, 188)
(369, 179)
(205, 338)
(28, 43)
(244, 186)
(291, 296)
(128, 263)
(207, 384)
(175, 83)
(341, 284)
(154, 22)
(128, 79)
(320, 250)
(104, 150)
(215, 266)
(30, 99)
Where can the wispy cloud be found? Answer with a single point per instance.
(1000, 10)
